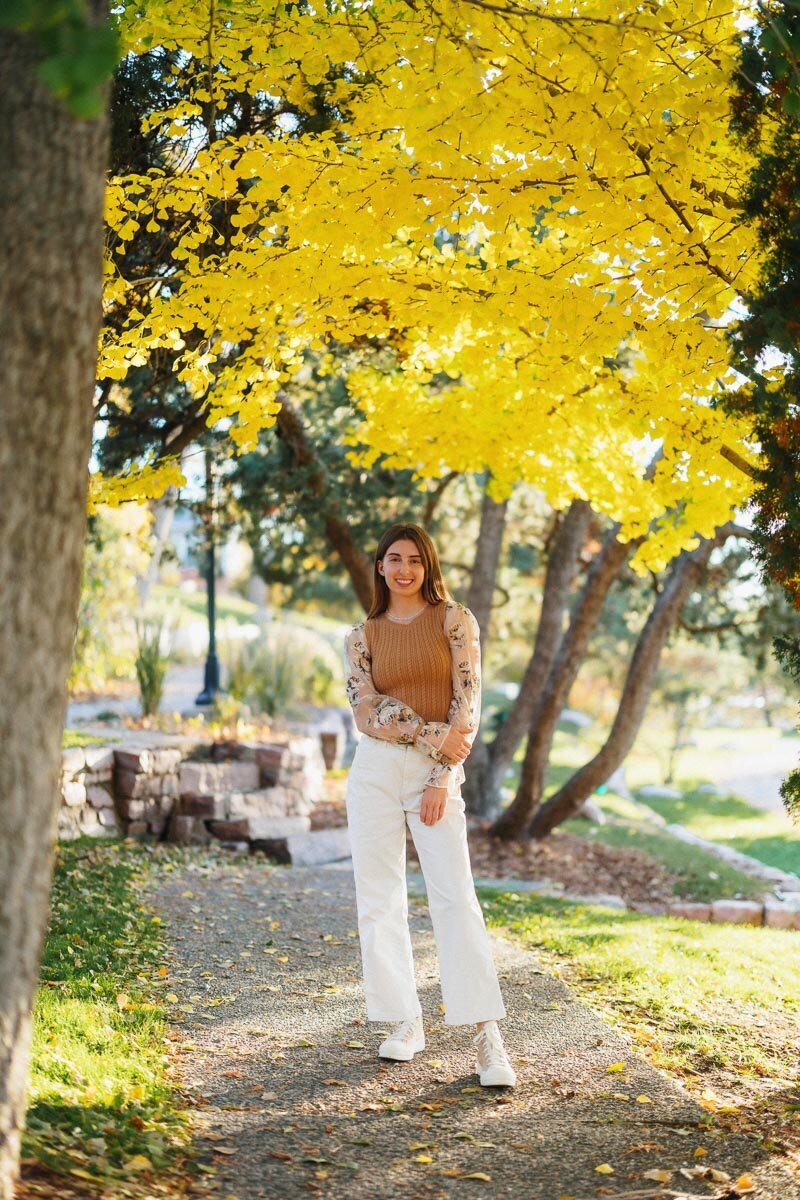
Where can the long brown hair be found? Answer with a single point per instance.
(434, 589)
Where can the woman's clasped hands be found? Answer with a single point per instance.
(454, 749)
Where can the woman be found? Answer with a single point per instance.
(413, 681)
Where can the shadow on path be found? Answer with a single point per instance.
(285, 1107)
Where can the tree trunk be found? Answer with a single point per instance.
(605, 569)
(562, 564)
(163, 516)
(479, 602)
(51, 233)
(683, 576)
(357, 564)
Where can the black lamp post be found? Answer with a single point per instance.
(211, 677)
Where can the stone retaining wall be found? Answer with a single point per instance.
(241, 793)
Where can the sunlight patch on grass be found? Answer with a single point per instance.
(695, 995)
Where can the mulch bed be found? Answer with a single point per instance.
(581, 866)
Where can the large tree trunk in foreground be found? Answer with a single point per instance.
(479, 602)
(51, 200)
(562, 565)
(683, 576)
(605, 569)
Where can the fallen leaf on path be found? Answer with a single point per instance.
(615, 1068)
(139, 1162)
(605, 1169)
(478, 1175)
(660, 1175)
(643, 1100)
(281, 1154)
(744, 1184)
(224, 1149)
(423, 1158)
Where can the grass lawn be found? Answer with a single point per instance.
(768, 836)
(229, 605)
(73, 737)
(102, 1111)
(716, 1005)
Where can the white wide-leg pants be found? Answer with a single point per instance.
(384, 791)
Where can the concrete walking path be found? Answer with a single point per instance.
(291, 1098)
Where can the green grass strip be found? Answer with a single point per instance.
(721, 1002)
(100, 1105)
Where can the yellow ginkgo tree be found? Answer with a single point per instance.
(533, 209)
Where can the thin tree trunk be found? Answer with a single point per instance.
(357, 564)
(163, 516)
(562, 565)
(605, 569)
(479, 602)
(51, 201)
(683, 576)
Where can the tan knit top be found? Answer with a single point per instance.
(411, 660)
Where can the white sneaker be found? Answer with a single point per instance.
(492, 1063)
(407, 1039)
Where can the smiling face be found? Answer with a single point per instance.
(402, 568)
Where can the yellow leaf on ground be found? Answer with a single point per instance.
(423, 1158)
(643, 1100)
(163, 970)
(173, 999)
(699, 1152)
(139, 1162)
(605, 1169)
(615, 1068)
(744, 1183)
(478, 1175)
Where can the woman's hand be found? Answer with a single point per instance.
(432, 805)
(455, 746)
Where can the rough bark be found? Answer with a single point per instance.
(340, 536)
(479, 602)
(683, 576)
(562, 565)
(605, 568)
(51, 200)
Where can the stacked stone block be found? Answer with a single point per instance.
(145, 787)
(249, 794)
(87, 799)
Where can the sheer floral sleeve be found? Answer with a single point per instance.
(463, 633)
(383, 716)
